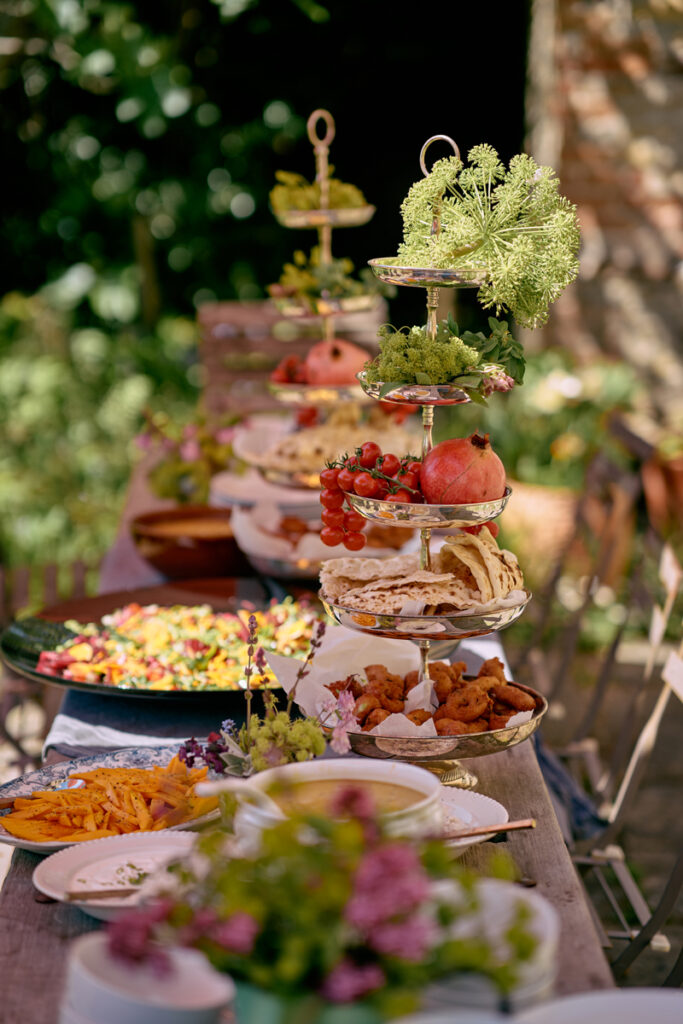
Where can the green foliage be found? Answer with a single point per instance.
(410, 356)
(307, 279)
(294, 192)
(512, 225)
(276, 739)
(71, 401)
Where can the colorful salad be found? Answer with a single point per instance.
(178, 648)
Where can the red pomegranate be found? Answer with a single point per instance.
(462, 471)
(334, 362)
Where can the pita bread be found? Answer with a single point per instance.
(468, 570)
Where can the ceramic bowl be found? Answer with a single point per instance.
(188, 542)
(421, 818)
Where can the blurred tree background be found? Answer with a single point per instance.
(139, 145)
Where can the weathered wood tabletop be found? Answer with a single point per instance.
(34, 936)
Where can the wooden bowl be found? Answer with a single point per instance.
(189, 542)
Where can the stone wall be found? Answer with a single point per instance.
(605, 108)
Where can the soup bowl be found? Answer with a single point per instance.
(406, 797)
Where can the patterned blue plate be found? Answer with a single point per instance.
(55, 775)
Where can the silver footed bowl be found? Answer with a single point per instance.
(456, 625)
(416, 394)
(316, 307)
(317, 394)
(440, 753)
(344, 217)
(298, 479)
(280, 568)
(390, 270)
(400, 513)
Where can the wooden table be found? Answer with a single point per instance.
(34, 936)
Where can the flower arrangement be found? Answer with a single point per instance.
(262, 742)
(331, 911)
(187, 455)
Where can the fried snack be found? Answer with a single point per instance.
(466, 705)
(112, 802)
(516, 698)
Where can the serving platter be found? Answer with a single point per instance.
(51, 775)
(342, 217)
(317, 306)
(109, 864)
(456, 625)
(21, 642)
(414, 516)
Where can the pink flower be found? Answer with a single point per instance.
(340, 742)
(237, 934)
(348, 981)
(224, 435)
(390, 881)
(498, 382)
(409, 939)
(352, 802)
(190, 451)
(131, 937)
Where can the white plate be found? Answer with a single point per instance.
(621, 1006)
(464, 809)
(249, 488)
(110, 863)
(50, 775)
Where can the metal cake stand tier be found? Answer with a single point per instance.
(342, 217)
(391, 270)
(415, 394)
(317, 394)
(413, 516)
(441, 754)
(421, 628)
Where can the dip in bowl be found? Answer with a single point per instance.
(406, 797)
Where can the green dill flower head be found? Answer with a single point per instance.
(412, 357)
(513, 225)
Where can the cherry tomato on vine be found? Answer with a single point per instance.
(333, 517)
(365, 485)
(346, 479)
(328, 478)
(369, 453)
(389, 464)
(331, 499)
(354, 541)
(414, 466)
(332, 536)
(352, 462)
(401, 495)
(409, 480)
(353, 521)
(382, 489)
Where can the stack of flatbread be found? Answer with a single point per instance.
(468, 570)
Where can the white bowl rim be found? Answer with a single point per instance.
(409, 775)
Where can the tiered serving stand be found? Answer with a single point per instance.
(326, 308)
(436, 753)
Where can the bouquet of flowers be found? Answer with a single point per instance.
(329, 911)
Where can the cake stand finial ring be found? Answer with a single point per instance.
(312, 125)
(435, 138)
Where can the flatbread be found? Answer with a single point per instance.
(469, 570)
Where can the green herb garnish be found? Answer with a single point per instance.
(294, 192)
(513, 225)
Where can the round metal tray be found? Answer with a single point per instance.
(280, 568)
(417, 394)
(344, 217)
(318, 394)
(427, 627)
(399, 513)
(440, 754)
(390, 270)
(317, 307)
(284, 478)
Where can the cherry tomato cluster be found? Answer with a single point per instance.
(369, 474)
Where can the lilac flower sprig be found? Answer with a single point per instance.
(249, 670)
(305, 667)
